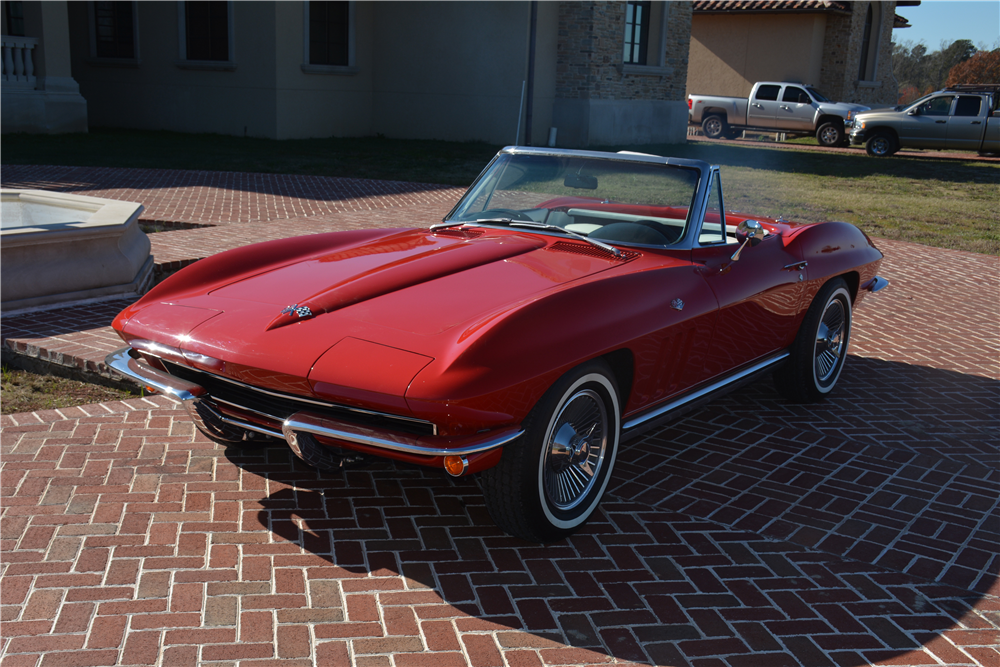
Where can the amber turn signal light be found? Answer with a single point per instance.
(455, 465)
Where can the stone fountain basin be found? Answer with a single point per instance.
(58, 248)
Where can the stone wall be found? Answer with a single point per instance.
(842, 57)
(678, 47)
(599, 99)
(589, 58)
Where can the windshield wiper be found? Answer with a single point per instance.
(555, 228)
(462, 223)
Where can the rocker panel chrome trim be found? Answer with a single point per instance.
(704, 392)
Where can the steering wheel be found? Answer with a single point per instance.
(503, 213)
(672, 234)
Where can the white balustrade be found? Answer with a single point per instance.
(18, 65)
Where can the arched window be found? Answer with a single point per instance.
(869, 42)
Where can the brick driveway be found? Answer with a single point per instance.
(861, 530)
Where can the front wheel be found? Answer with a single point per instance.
(881, 144)
(550, 482)
(820, 348)
(831, 134)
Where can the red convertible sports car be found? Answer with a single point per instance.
(571, 300)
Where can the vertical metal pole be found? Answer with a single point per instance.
(520, 112)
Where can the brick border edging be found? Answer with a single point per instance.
(43, 362)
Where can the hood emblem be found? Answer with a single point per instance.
(301, 311)
(677, 304)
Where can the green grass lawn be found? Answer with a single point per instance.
(943, 203)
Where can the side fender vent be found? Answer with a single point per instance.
(592, 251)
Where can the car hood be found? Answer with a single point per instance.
(405, 290)
(885, 112)
(842, 107)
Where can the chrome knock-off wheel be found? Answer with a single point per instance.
(831, 337)
(575, 450)
(819, 352)
(550, 482)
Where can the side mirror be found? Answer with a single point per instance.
(915, 111)
(748, 231)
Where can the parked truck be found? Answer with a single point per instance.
(775, 106)
(964, 117)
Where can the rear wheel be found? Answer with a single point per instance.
(831, 134)
(820, 348)
(881, 144)
(714, 127)
(550, 482)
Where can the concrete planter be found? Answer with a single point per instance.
(58, 248)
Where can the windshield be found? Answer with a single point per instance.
(616, 201)
(818, 96)
(914, 103)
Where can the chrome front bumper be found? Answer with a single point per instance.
(204, 413)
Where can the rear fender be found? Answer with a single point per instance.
(714, 111)
(837, 249)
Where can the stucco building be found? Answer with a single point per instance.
(843, 48)
(39, 93)
(599, 72)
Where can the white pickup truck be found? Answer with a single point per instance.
(964, 117)
(775, 106)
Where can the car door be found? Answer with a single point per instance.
(763, 105)
(926, 126)
(760, 294)
(795, 111)
(966, 123)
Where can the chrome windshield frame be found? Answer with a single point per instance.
(696, 209)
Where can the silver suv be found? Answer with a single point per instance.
(964, 117)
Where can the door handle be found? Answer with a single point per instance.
(941, 121)
(977, 122)
(784, 107)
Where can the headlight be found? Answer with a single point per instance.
(850, 115)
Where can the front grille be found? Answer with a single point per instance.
(281, 406)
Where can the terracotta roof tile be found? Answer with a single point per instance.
(778, 6)
(771, 6)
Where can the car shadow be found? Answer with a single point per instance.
(750, 530)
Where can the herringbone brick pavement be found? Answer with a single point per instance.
(221, 197)
(128, 539)
(861, 530)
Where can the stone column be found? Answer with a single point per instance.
(55, 106)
